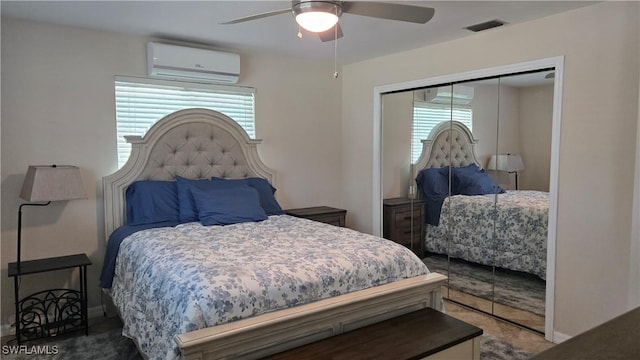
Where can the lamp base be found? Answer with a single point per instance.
(20, 226)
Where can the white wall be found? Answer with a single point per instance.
(597, 149)
(58, 107)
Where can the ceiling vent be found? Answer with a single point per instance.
(485, 25)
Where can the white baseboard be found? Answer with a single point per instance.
(559, 337)
(7, 329)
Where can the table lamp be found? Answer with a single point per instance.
(511, 163)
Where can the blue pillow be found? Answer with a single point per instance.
(473, 183)
(188, 211)
(434, 183)
(152, 201)
(267, 195)
(224, 206)
(265, 192)
(471, 168)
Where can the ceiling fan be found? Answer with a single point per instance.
(320, 16)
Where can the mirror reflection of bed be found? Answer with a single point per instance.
(501, 225)
(494, 239)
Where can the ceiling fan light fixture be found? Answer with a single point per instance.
(317, 21)
(316, 16)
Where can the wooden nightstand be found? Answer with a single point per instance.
(323, 214)
(403, 222)
(54, 311)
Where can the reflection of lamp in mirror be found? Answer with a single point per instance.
(44, 184)
(511, 163)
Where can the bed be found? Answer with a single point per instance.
(467, 216)
(217, 287)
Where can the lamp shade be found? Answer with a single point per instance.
(53, 183)
(506, 162)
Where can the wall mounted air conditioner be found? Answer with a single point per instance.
(192, 64)
(462, 95)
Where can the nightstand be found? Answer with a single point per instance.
(403, 222)
(54, 311)
(323, 214)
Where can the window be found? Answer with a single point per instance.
(427, 115)
(140, 103)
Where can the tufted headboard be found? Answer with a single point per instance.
(192, 143)
(449, 143)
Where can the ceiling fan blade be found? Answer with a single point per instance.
(330, 34)
(391, 11)
(257, 16)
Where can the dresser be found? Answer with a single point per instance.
(323, 214)
(614, 339)
(403, 222)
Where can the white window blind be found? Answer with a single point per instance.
(140, 103)
(427, 115)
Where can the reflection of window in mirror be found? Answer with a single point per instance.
(434, 105)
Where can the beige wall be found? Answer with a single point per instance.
(597, 149)
(536, 115)
(397, 112)
(495, 121)
(58, 107)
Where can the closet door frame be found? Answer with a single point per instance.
(555, 62)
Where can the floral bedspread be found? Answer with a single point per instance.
(174, 280)
(520, 230)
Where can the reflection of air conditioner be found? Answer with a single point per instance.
(462, 95)
(192, 64)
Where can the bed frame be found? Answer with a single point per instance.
(200, 143)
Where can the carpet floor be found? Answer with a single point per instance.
(111, 345)
(518, 290)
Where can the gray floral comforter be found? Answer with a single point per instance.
(520, 230)
(174, 280)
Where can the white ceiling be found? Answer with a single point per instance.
(198, 22)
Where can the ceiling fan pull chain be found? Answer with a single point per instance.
(335, 52)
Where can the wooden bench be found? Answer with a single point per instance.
(423, 334)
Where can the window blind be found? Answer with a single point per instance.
(140, 103)
(426, 116)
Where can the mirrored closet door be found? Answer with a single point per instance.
(465, 181)
(402, 212)
(470, 216)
